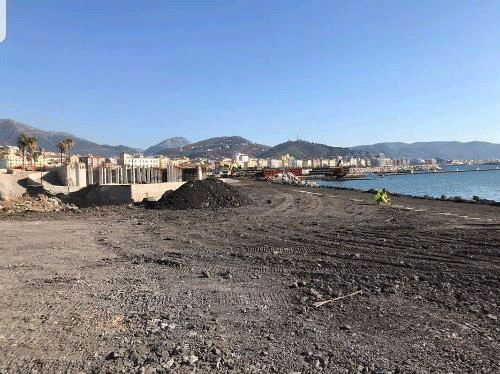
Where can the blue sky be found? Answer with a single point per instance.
(341, 73)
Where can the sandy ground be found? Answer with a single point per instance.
(127, 289)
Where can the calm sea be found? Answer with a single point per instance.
(465, 181)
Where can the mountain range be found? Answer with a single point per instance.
(227, 146)
(438, 150)
(216, 148)
(171, 143)
(48, 140)
(303, 150)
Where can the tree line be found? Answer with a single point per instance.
(27, 148)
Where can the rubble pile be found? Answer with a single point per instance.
(38, 203)
(289, 178)
(203, 194)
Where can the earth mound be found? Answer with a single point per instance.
(203, 194)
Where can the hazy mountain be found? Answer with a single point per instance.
(176, 142)
(10, 131)
(429, 150)
(303, 150)
(216, 148)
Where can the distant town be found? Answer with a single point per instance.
(82, 170)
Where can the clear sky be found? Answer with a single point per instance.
(341, 73)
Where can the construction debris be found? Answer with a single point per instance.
(38, 203)
(319, 303)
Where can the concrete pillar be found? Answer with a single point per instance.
(125, 177)
(148, 174)
(91, 174)
(132, 175)
(199, 173)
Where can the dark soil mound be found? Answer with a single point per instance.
(203, 194)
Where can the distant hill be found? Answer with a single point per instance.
(430, 150)
(48, 140)
(176, 142)
(303, 150)
(217, 148)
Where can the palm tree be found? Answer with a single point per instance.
(31, 145)
(22, 143)
(62, 149)
(69, 143)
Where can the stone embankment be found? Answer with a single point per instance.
(38, 203)
(289, 178)
(394, 169)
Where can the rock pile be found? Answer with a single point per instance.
(38, 203)
(289, 178)
(203, 194)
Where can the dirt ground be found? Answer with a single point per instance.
(136, 290)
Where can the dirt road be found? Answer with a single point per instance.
(128, 289)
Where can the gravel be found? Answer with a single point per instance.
(203, 194)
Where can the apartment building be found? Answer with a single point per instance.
(10, 158)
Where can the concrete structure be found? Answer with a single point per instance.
(122, 194)
(10, 187)
(73, 175)
(81, 175)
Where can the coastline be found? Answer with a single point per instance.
(457, 199)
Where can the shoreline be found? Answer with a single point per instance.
(457, 199)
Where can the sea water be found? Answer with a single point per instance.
(464, 180)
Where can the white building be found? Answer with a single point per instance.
(139, 160)
(241, 157)
(9, 157)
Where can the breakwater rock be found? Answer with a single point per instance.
(289, 178)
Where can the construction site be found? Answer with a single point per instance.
(251, 277)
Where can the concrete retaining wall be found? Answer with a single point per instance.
(114, 194)
(74, 175)
(9, 186)
(109, 195)
(155, 190)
